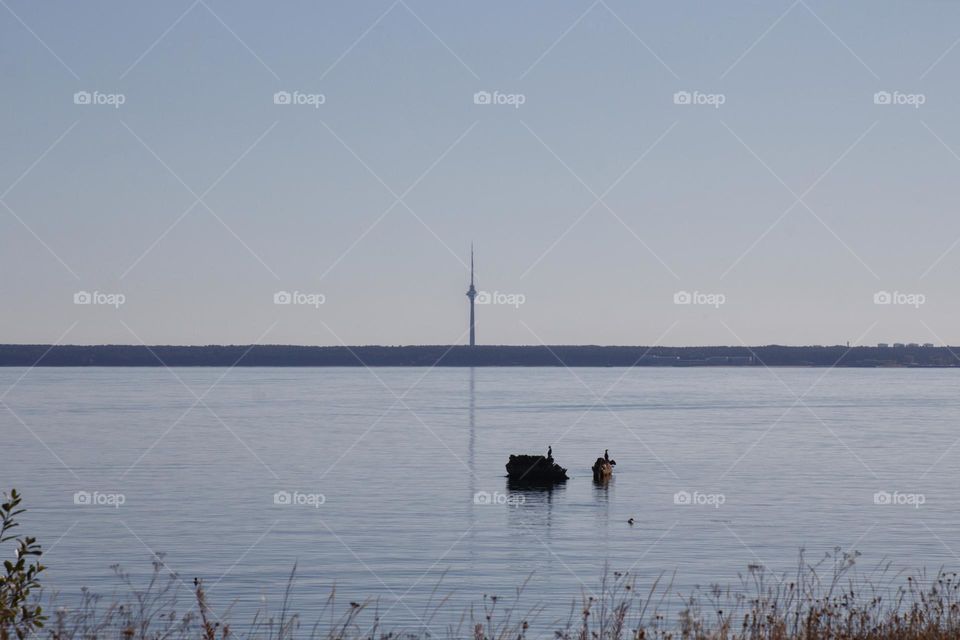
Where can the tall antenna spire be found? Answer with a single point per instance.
(471, 294)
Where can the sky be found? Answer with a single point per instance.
(634, 173)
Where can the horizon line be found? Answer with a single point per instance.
(890, 345)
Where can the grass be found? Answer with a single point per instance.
(830, 599)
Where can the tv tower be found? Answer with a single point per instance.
(472, 293)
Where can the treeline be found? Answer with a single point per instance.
(13, 355)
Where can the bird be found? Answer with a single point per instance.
(630, 521)
(606, 457)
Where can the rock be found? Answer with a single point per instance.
(602, 469)
(534, 469)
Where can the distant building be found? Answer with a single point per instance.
(657, 360)
(898, 345)
(913, 345)
(928, 345)
(736, 361)
(883, 345)
(472, 294)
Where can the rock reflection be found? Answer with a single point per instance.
(531, 504)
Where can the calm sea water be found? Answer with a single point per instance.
(773, 461)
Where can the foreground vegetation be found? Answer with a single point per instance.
(829, 599)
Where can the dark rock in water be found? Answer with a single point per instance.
(534, 469)
(603, 469)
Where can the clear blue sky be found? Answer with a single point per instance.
(797, 199)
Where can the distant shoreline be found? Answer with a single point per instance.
(14, 355)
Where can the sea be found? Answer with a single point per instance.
(387, 486)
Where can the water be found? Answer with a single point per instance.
(794, 455)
